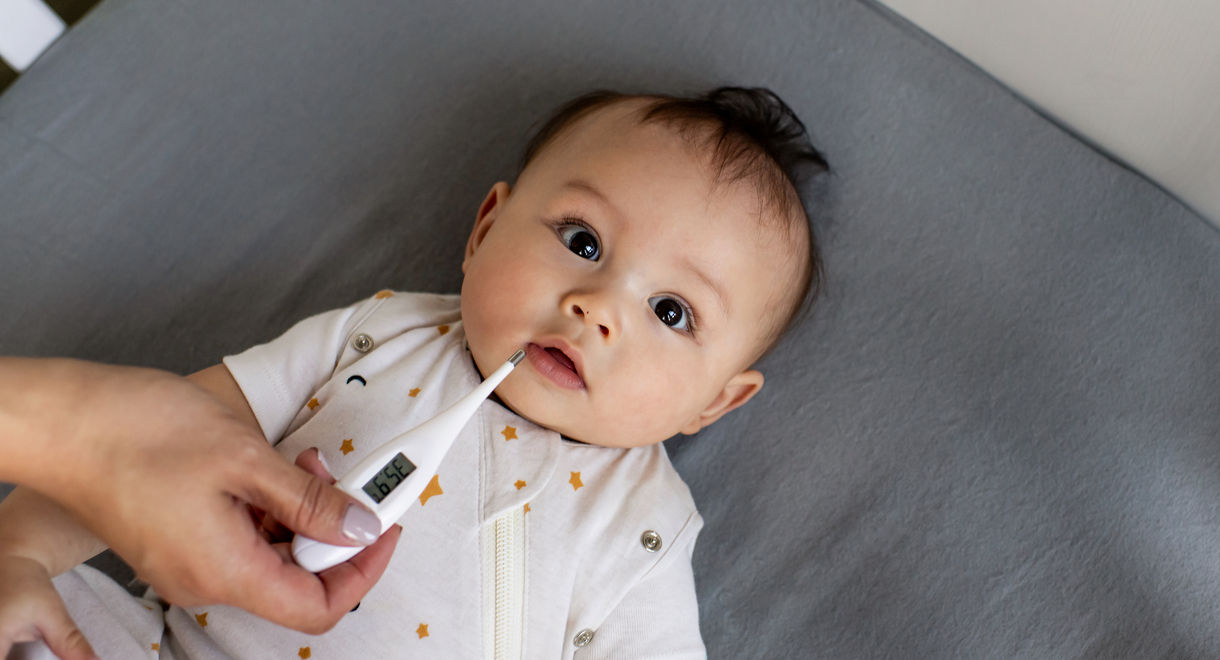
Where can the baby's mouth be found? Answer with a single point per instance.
(562, 358)
(556, 365)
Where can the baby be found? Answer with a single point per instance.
(650, 251)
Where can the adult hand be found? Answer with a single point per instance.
(165, 473)
(278, 534)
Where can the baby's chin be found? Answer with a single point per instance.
(540, 413)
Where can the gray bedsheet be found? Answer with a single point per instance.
(998, 435)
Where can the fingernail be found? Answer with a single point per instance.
(360, 525)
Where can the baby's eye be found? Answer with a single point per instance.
(580, 239)
(672, 312)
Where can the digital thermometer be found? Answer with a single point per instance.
(389, 479)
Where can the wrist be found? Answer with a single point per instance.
(35, 527)
(14, 549)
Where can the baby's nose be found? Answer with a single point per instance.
(581, 312)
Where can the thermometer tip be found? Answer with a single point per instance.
(517, 358)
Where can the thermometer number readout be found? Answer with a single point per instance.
(388, 477)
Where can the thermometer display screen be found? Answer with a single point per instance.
(388, 478)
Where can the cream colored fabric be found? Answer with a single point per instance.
(1140, 79)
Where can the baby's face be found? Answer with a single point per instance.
(640, 289)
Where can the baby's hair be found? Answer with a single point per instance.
(751, 134)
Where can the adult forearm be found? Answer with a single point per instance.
(38, 401)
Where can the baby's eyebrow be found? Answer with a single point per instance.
(581, 185)
(712, 284)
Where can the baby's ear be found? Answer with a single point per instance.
(488, 211)
(738, 390)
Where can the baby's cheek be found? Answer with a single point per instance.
(492, 295)
(654, 411)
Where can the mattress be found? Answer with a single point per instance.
(996, 435)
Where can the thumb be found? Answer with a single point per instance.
(307, 504)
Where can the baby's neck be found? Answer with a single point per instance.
(496, 398)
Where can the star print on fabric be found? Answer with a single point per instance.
(433, 488)
(527, 507)
(414, 392)
(509, 433)
(347, 447)
(443, 329)
(519, 484)
(422, 630)
(313, 403)
(202, 619)
(575, 481)
(384, 293)
(304, 652)
(155, 646)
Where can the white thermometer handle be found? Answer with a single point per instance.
(392, 476)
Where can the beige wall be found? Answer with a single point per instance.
(1141, 78)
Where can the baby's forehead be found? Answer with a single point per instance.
(731, 163)
(618, 138)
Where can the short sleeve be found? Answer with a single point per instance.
(277, 378)
(657, 618)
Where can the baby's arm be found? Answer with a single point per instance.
(658, 618)
(38, 540)
(37, 528)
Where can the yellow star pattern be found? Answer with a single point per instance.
(509, 433)
(347, 447)
(422, 630)
(575, 481)
(442, 329)
(519, 484)
(433, 488)
(202, 619)
(384, 293)
(156, 646)
(527, 507)
(313, 403)
(414, 392)
(304, 652)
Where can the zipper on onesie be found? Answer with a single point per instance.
(504, 585)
